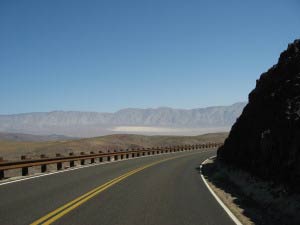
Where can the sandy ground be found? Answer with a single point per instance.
(12, 150)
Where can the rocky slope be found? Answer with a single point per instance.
(265, 140)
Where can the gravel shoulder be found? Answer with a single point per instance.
(252, 200)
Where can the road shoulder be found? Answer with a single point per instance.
(251, 200)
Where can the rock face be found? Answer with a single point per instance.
(265, 140)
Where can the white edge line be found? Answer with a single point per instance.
(226, 209)
(76, 168)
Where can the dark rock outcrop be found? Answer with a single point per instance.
(265, 140)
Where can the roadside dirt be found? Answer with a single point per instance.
(252, 200)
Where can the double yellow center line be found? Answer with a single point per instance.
(63, 210)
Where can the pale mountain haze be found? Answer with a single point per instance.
(161, 120)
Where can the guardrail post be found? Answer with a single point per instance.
(24, 169)
(115, 156)
(121, 155)
(127, 156)
(108, 157)
(44, 166)
(1, 171)
(72, 164)
(82, 160)
(100, 158)
(59, 164)
(92, 159)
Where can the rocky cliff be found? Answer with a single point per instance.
(265, 140)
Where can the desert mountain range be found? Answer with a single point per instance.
(166, 121)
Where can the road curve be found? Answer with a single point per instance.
(162, 191)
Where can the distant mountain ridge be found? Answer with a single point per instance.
(97, 123)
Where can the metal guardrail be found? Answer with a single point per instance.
(25, 163)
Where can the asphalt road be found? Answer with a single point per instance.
(169, 193)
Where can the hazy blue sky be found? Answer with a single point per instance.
(107, 55)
